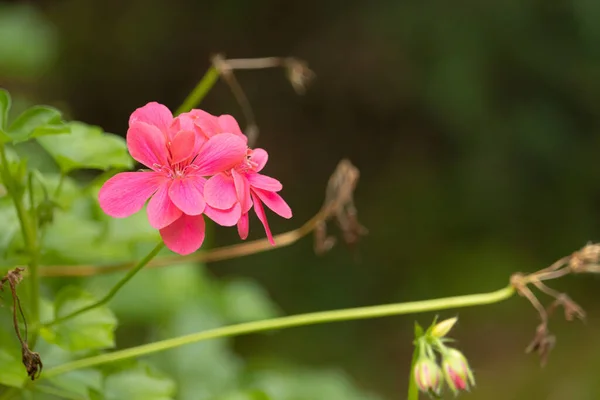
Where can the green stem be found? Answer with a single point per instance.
(29, 231)
(413, 390)
(202, 88)
(287, 322)
(59, 186)
(113, 291)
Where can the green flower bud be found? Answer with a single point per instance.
(441, 329)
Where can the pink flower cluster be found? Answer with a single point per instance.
(200, 164)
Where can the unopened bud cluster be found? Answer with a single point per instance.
(438, 363)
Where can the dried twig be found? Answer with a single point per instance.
(339, 195)
(298, 74)
(583, 260)
(31, 360)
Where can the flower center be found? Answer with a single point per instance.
(176, 171)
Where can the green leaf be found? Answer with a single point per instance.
(418, 330)
(12, 371)
(139, 383)
(4, 108)
(91, 330)
(291, 383)
(29, 41)
(245, 301)
(37, 121)
(246, 395)
(87, 147)
(79, 382)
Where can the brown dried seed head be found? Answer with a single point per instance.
(588, 255)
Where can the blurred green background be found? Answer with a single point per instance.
(475, 126)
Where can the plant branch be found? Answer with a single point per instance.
(29, 232)
(216, 254)
(338, 202)
(288, 322)
(113, 291)
(200, 91)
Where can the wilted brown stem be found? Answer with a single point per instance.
(339, 197)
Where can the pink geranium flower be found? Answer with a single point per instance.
(208, 125)
(179, 160)
(230, 194)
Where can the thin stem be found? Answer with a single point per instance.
(202, 88)
(114, 290)
(29, 231)
(413, 390)
(216, 254)
(287, 322)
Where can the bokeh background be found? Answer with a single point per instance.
(475, 126)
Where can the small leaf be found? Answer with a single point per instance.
(37, 121)
(139, 383)
(4, 108)
(91, 330)
(418, 330)
(87, 147)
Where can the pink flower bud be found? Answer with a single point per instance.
(428, 375)
(456, 371)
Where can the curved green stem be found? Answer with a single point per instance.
(113, 291)
(202, 88)
(29, 231)
(288, 322)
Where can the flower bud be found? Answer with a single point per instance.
(428, 376)
(456, 371)
(441, 329)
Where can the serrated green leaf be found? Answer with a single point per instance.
(91, 330)
(5, 103)
(139, 383)
(87, 147)
(37, 121)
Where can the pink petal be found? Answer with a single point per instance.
(228, 217)
(221, 152)
(274, 202)
(126, 193)
(260, 157)
(260, 213)
(264, 182)
(161, 210)
(219, 192)
(187, 194)
(228, 124)
(242, 189)
(182, 146)
(185, 235)
(154, 114)
(147, 144)
(206, 123)
(243, 226)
